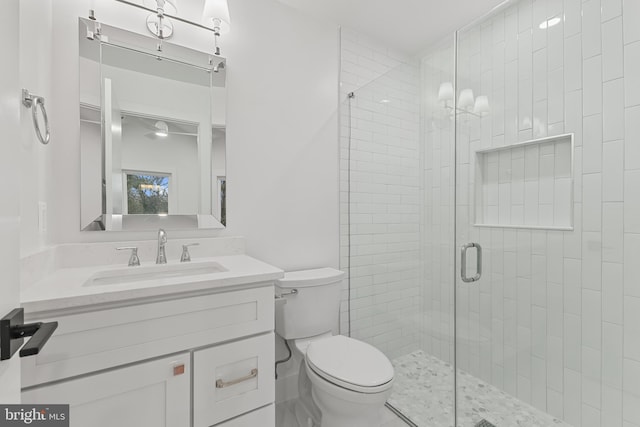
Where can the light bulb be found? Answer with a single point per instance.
(169, 6)
(217, 12)
(162, 129)
(481, 105)
(445, 93)
(465, 101)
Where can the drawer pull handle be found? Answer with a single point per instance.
(223, 384)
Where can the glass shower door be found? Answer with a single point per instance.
(518, 231)
(432, 370)
(390, 303)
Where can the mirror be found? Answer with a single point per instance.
(152, 132)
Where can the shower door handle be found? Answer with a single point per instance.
(463, 262)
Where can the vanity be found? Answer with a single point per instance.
(145, 346)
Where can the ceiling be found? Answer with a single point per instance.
(406, 25)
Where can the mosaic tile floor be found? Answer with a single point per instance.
(423, 392)
(285, 417)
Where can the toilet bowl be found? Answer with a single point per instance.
(342, 382)
(350, 381)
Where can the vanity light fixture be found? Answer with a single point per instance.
(169, 6)
(163, 11)
(216, 14)
(92, 10)
(157, 23)
(217, 68)
(96, 31)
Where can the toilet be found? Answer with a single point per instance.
(342, 382)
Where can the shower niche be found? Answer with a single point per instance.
(526, 185)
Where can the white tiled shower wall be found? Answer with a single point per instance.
(380, 195)
(555, 320)
(526, 185)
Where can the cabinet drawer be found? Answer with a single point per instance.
(88, 342)
(154, 393)
(263, 417)
(231, 379)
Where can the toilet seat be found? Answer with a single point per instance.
(350, 364)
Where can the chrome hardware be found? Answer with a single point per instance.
(33, 101)
(186, 21)
(463, 262)
(284, 294)
(186, 256)
(133, 259)
(281, 298)
(223, 384)
(161, 258)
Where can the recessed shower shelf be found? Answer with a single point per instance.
(526, 185)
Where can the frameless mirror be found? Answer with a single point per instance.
(152, 130)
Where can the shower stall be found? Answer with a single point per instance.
(490, 216)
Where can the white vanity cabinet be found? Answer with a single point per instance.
(260, 417)
(154, 393)
(156, 362)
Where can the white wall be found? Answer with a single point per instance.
(35, 158)
(282, 135)
(282, 148)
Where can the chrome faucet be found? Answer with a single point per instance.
(162, 241)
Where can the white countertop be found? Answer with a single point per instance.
(66, 288)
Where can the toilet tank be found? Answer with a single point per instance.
(311, 303)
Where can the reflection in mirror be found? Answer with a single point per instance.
(219, 175)
(152, 134)
(157, 165)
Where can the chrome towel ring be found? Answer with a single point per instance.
(33, 101)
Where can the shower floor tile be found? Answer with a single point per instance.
(423, 392)
(286, 418)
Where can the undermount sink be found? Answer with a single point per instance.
(153, 272)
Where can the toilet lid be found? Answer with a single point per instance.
(346, 361)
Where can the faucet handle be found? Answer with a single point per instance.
(133, 259)
(186, 257)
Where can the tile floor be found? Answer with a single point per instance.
(285, 418)
(424, 393)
